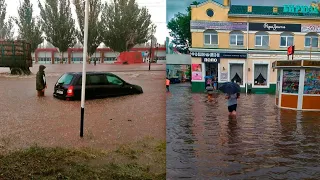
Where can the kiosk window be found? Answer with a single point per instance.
(290, 81)
(312, 81)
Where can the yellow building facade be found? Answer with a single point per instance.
(239, 43)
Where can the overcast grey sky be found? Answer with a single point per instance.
(174, 6)
(157, 9)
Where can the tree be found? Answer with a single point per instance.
(57, 24)
(28, 27)
(6, 27)
(95, 27)
(125, 25)
(179, 26)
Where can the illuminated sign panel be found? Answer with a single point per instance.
(300, 9)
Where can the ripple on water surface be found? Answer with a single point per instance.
(263, 143)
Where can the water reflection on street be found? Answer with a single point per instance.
(263, 143)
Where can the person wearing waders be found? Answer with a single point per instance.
(167, 84)
(41, 83)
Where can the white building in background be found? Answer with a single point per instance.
(48, 54)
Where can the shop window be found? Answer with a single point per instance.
(262, 39)
(236, 38)
(311, 39)
(95, 59)
(260, 74)
(210, 37)
(286, 39)
(236, 73)
(312, 81)
(290, 81)
(77, 59)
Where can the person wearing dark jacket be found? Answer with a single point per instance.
(41, 83)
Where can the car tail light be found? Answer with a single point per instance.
(70, 91)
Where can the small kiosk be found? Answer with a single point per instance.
(298, 84)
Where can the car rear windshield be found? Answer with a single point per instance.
(65, 79)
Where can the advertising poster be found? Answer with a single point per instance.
(196, 72)
(312, 82)
(223, 76)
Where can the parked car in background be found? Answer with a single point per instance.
(98, 85)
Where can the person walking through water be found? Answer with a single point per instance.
(209, 89)
(41, 83)
(232, 104)
(167, 84)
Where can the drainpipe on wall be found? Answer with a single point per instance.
(246, 69)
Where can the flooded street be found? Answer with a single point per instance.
(263, 143)
(26, 119)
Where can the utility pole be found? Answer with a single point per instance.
(150, 53)
(84, 63)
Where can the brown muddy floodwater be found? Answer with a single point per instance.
(26, 119)
(263, 143)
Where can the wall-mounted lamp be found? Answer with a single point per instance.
(249, 69)
(223, 68)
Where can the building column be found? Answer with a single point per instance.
(102, 56)
(52, 57)
(36, 56)
(69, 56)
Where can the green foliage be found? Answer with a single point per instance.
(28, 27)
(57, 23)
(125, 24)
(179, 26)
(95, 27)
(6, 28)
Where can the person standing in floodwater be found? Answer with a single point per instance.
(232, 104)
(215, 83)
(209, 89)
(167, 84)
(41, 83)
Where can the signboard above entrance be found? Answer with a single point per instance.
(286, 63)
(210, 60)
(240, 26)
(219, 55)
(274, 27)
(305, 28)
(300, 9)
(311, 63)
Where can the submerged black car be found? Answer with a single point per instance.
(98, 85)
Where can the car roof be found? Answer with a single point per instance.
(90, 72)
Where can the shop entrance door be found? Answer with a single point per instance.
(212, 69)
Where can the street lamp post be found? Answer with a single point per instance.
(84, 63)
(246, 62)
(150, 54)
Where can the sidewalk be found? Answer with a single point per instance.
(61, 68)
